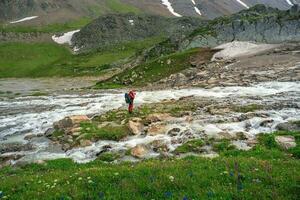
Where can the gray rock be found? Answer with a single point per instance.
(15, 147)
(289, 126)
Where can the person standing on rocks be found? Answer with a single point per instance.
(129, 98)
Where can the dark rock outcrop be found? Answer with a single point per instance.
(260, 24)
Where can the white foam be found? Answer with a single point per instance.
(65, 38)
(243, 4)
(24, 19)
(170, 8)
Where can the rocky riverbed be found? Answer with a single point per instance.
(164, 120)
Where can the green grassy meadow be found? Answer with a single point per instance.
(50, 59)
(265, 172)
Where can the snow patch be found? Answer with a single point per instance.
(289, 2)
(170, 8)
(193, 1)
(243, 4)
(198, 11)
(24, 19)
(237, 48)
(131, 21)
(65, 38)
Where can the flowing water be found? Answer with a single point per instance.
(29, 114)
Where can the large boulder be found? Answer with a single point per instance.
(289, 126)
(286, 142)
(139, 151)
(85, 143)
(136, 126)
(71, 122)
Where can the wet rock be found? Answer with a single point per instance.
(71, 122)
(139, 151)
(49, 132)
(157, 117)
(159, 146)
(189, 119)
(241, 136)
(225, 135)
(66, 147)
(136, 126)
(11, 156)
(40, 162)
(266, 123)
(286, 142)
(157, 129)
(85, 143)
(29, 136)
(174, 131)
(289, 126)
(15, 147)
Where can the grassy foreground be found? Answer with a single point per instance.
(265, 172)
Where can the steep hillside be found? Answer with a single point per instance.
(115, 28)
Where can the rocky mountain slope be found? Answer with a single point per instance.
(58, 11)
(260, 24)
(113, 29)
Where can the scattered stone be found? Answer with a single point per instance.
(174, 131)
(266, 123)
(136, 126)
(286, 142)
(139, 151)
(49, 132)
(85, 143)
(40, 162)
(156, 129)
(159, 146)
(157, 117)
(225, 135)
(29, 136)
(15, 147)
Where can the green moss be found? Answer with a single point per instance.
(248, 108)
(267, 140)
(108, 157)
(57, 133)
(90, 131)
(190, 146)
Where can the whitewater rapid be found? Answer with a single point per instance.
(35, 115)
